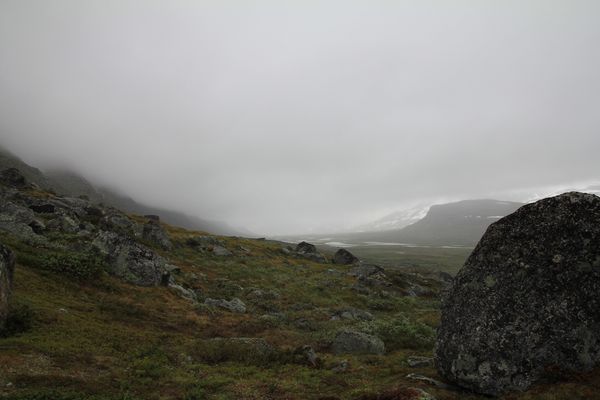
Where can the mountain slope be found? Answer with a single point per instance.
(74, 185)
(34, 175)
(396, 220)
(453, 224)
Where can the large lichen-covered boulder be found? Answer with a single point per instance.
(344, 257)
(130, 260)
(7, 262)
(527, 299)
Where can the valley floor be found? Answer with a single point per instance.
(105, 339)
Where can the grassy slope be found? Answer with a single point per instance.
(110, 340)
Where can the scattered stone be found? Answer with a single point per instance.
(234, 305)
(307, 355)
(344, 257)
(259, 294)
(419, 362)
(353, 342)
(184, 293)
(352, 314)
(416, 290)
(221, 251)
(7, 265)
(430, 381)
(527, 298)
(244, 250)
(342, 366)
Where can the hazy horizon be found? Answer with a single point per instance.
(305, 117)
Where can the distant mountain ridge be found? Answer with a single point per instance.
(71, 184)
(460, 223)
(395, 220)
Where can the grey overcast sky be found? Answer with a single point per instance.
(299, 116)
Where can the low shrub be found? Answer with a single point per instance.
(400, 333)
(84, 266)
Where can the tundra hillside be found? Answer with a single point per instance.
(106, 305)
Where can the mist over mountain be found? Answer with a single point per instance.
(289, 118)
(70, 183)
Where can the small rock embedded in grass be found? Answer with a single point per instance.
(352, 342)
(419, 362)
(234, 305)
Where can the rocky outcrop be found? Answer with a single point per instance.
(12, 177)
(344, 257)
(19, 221)
(130, 260)
(352, 342)
(527, 299)
(7, 263)
(154, 233)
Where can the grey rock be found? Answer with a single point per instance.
(260, 294)
(342, 366)
(344, 257)
(304, 248)
(130, 260)
(353, 342)
(184, 293)
(309, 251)
(419, 362)
(221, 251)
(63, 223)
(7, 264)
(431, 381)
(315, 257)
(527, 298)
(116, 221)
(307, 355)
(352, 314)
(365, 270)
(154, 233)
(234, 305)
